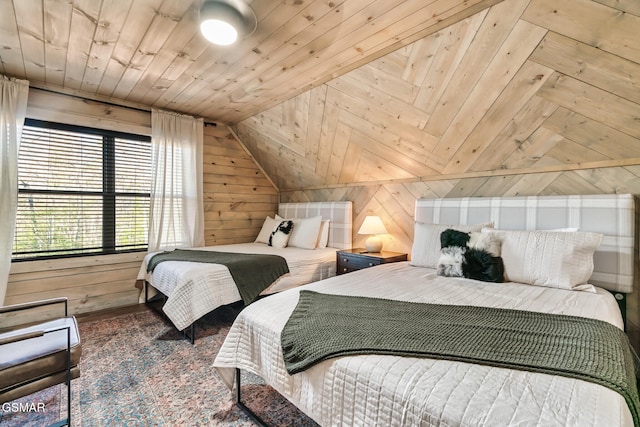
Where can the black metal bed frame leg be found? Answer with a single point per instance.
(191, 336)
(254, 417)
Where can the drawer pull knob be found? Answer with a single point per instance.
(344, 269)
(370, 264)
(345, 260)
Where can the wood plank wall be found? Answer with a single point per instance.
(237, 198)
(527, 97)
(237, 194)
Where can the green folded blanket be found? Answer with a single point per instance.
(323, 326)
(252, 273)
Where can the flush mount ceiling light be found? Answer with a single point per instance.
(223, 21)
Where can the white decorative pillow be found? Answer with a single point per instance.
(323, 234)
(281, 235)
(546, 258)
(268, 226)
(425, 251)
(305, 232)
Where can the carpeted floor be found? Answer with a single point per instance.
(137, 370)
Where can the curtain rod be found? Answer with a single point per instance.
(61, 91)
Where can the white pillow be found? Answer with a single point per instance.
(268, 226)
(546, 258)
(323, 234)
(425, 251)
(305, 232)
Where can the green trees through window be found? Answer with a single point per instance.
(81, 191)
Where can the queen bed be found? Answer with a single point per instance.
(388, 389)
(190, 290)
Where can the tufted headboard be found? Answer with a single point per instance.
(339, 213)
(613, 215)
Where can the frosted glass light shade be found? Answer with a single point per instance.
(224, 21)
(373, 225)
(219, 32)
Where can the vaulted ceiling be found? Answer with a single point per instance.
(525, 86)
(150, 52)
(335, 93)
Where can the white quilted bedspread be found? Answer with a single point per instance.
(373, 390)
(194, 289)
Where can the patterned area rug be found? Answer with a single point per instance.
(137, 370)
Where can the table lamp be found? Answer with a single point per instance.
(373, 225)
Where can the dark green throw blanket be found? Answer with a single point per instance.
(253, 273)
(323, 326)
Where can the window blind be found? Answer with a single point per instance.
(81, 191)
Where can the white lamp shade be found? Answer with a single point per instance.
(373, 225)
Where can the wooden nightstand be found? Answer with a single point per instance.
(358, 258)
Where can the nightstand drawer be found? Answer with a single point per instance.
(356, 259)
(347, 264)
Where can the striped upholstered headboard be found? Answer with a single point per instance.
(339, 213)
(613, 215)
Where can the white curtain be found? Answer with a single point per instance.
(176, 219)
(13, 109)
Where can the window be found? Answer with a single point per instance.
(81, 191)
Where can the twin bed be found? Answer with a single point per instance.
(551, 268)
(193, 289)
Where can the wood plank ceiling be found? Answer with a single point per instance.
(525, 86)
(150, 52)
